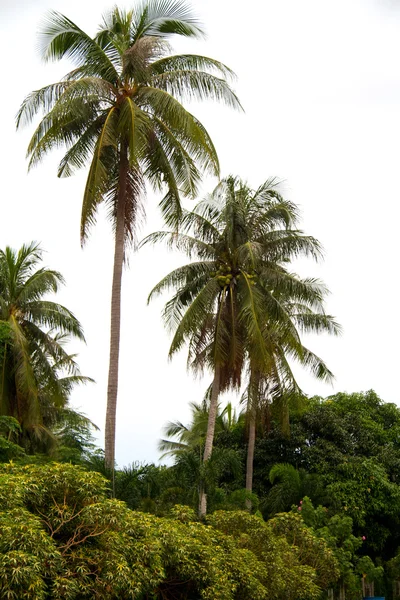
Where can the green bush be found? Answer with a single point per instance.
(64, 538)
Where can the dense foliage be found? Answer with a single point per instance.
(338, 469)
(62, 537)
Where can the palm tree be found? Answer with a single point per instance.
(290, 486)
(121, 108)
(189, 437)
(243, 240)
(275, 384)
(36, 372)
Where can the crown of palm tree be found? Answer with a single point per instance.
(188, 437)
(125, 93)
(238, 297)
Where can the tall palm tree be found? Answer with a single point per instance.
(243, 240)
(36, 372)
(121, 109)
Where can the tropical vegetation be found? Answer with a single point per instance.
(324, 516)
(284, 496)
(62, 537)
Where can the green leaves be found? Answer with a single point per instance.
(164, 18)
(60, 38)
(63, 538)
(196, 85)
(34, 362)
(97, 184)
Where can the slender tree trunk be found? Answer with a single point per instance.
(212, 415)
(3, 377)
(253, 402)
(342, 592)
(116, 311)
(250, 454)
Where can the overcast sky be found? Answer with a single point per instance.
(320, 84)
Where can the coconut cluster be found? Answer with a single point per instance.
(223, 275)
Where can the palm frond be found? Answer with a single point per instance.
(96, 185)
(164, 18)
(190, 62)
(53, 315)
(185, 323)
(59, 37)
(191, 246)
(196, 85)
(42, 100)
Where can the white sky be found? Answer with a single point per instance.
(320, 84)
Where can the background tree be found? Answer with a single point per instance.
(290, 486)
(36, 372)
(273, 381)
(188, 471)
(120, 108)
(193, 436)
(9, 428)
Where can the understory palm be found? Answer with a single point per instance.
(289, 486)
(192, 437)
(120, 109)
(229, 303)
(273, 385)
(36, 372)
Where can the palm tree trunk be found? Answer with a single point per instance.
(212, 415)
(116, 312)
(3, 378)
(252, 410)
(342, 592)
(250, 454)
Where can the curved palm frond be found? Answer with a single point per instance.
(164, 18)
(60, 37)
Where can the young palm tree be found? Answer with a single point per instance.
(36, 373)
(188, 437)
(275, 384)
(289, 486)
(243, 241)
(121, 109)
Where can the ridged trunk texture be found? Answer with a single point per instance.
(254, 385)
(250, 454)
(212, 416)
(112, 389)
